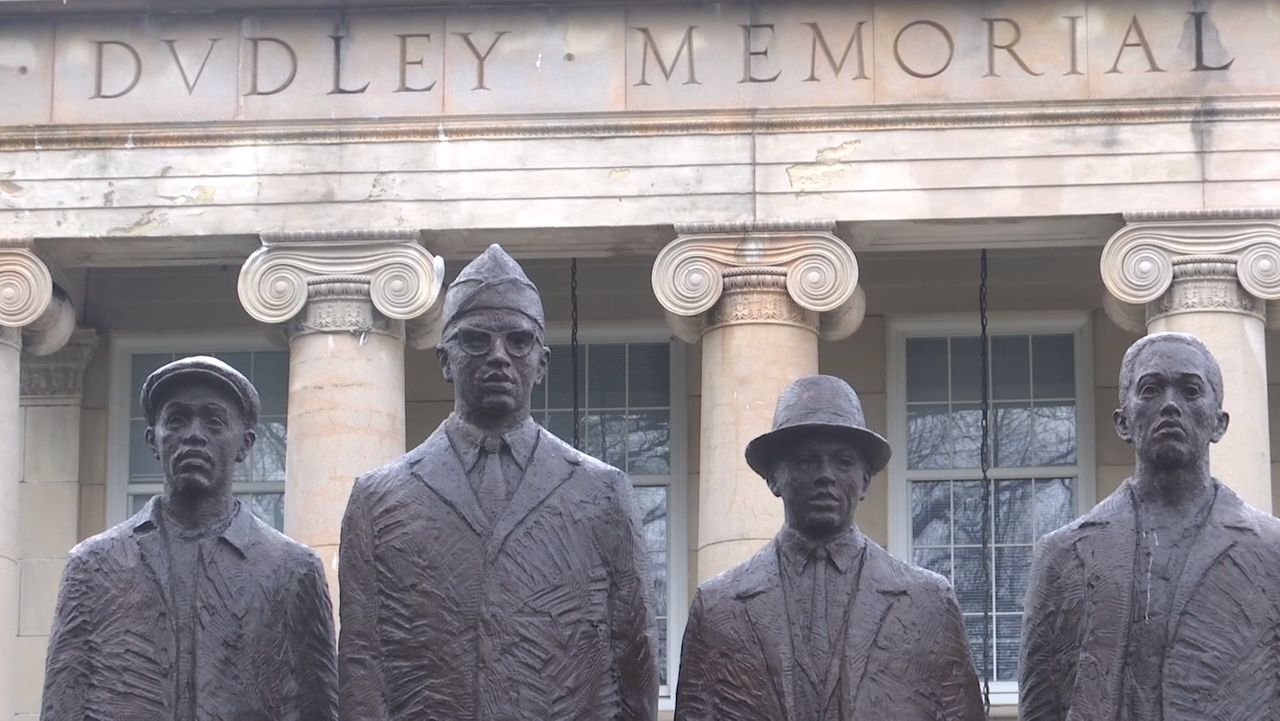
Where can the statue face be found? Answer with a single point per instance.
(493, 358)
(820, 481)
(1171, 413)
(199, 437)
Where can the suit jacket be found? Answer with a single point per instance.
(1222, 661)
(905, 653)
(263, 643)
(545, 615)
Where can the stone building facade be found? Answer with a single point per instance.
(752, 192)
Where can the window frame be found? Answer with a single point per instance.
(122, 347)
(597, 333)
(900, 328)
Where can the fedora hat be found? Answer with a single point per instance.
(817, 403)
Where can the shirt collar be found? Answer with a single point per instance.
(845, 550)
(467, 441)
(239, 532)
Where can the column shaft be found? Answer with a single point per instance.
(10, 473)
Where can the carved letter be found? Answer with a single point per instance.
(173, 51)
(993, 46)
(1198, 18)
(748, 54)
(651, 46)
(255, 43)
(1135, 28)
(837, 67)
(1073, 23)
(337, 70)
(97, 72)
(480, 59)
(405, 62)
(951, 49)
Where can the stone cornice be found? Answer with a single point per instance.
(1137, 264)
(26, 286)
(403, 280)
(442, 129)
(807, 263)
(59, 374)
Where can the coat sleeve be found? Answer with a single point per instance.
(316, 662)
(361, 686)
(692, 703)
(961, 689)
(1037, 689)
(631, 616)
(66, 674)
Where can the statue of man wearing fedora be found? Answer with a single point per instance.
(494, 573)
(193, 610)
(822, 624)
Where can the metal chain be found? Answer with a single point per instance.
(573, 349)
(985, 455)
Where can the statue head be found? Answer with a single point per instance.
(492, 347)
(1170, 400)
(820, 456)
(201, 415)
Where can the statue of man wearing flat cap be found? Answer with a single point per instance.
(1161, 603)
(494, 573)
(193, 610)
(822, 624)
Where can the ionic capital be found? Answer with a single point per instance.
(785, 272)
(59, 375)
(341, 281)
(1211, 260)
(26, 286)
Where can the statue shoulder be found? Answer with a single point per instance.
(109, 542)
(754, 575)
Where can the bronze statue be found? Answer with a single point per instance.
(494, 573)
(193, 609)
(1161, 602)
(823, 624)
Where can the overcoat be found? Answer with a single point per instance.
(263, 642)
(905, 654)
(1222, 662)
(545, 615)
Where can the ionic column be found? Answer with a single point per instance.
(1210, 274)
(26, 291)
(345, 297)
(758, 296)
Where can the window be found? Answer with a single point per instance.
(1041, 454)
(259, 480)
(626, 396)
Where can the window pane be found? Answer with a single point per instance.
(966, 436)
(1008, 637)
(137, 501)
(560, 377)
(605, 438)
(1012, 576)
(927, 445)
(607, 376)
(969, 583)
(1055, 366)
(937, 560)
(966, 369)
(931, 513)
(651, 507)
(267, 457)
(1010, 368)
(560, 424)
(1052, 504)
(927, 370)
(143, 465)
(1012, 517)
(974, 625)
(649, 375)
(1055, 435)
(242, 362)
(268, 507)
(271, 377)
(967, 500)
(1012, 436)
(649, 443)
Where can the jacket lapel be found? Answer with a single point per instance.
(436, 465)
(548, 469)
(873, 597)
(152, 548)
(1227, 520)
(761, 596)
(1106, 548)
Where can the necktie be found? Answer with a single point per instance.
(493, 485)
(819, 622)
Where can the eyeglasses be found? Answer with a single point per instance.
(519, 343)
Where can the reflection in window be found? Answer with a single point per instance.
(624, 395)
(1034, 453)
(259, 480)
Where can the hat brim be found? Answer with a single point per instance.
(763, 451)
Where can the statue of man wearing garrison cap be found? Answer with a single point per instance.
(494, 573)
(822, 624)
(193, 610)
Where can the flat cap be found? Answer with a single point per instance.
(205, 368)
(493, 280)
